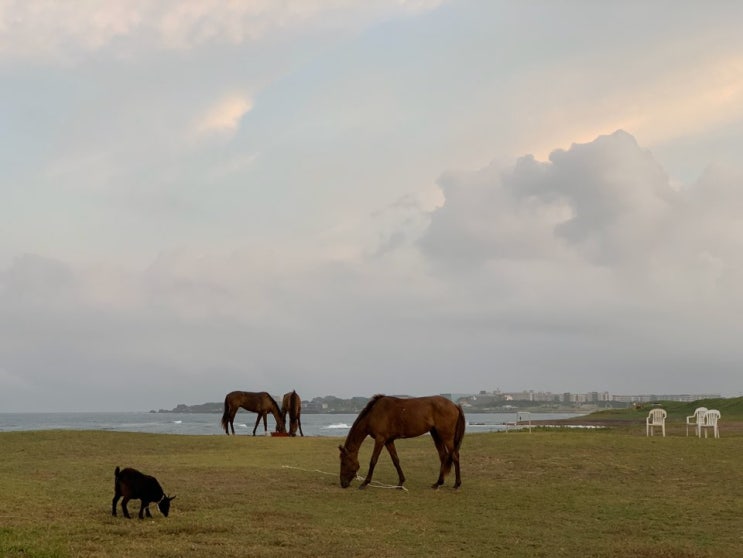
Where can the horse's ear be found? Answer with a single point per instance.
(343, 450)
(170, 497)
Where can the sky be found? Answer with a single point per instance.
(348, 198)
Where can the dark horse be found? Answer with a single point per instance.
(292, 404)
(256, 402)
(388, 418)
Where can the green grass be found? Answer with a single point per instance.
(731, 409)
(592, 493)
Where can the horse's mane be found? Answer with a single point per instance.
(365, 410)
(278, 407)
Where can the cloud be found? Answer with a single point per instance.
(224, 116)
(585, 271)
(601, 200)
(598, 230)
(57, 31)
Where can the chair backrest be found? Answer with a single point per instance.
(657, 416)
(711, 417)
(699, 414)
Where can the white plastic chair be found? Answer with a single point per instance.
(696, 419)
(711, 419)
(656, 418)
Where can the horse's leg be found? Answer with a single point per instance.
(449, 456)
(443, 455)
(395, 461)
(257, 422)
(457, 476)
(265, 422)
(378, 445)
(233, 412)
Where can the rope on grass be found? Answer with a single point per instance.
(306, 470)
(374, 484)
(377, 484)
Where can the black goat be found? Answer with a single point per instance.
(133, 485)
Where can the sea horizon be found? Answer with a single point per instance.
(313, 424)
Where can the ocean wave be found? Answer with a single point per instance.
(336, 426)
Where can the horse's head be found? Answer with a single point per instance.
(164, 505)
(349, 466)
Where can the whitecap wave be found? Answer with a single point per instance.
(336, 426)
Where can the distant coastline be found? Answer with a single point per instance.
(330, 405)
(483, 402)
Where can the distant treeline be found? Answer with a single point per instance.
(331, 404)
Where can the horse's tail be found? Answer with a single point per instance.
(459, 433)
(226, 416)
(293, 406)
(458, 437)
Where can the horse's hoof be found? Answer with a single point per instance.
(435, 486)
(363, 486)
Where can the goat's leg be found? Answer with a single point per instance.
(113, 504)
(124, 502)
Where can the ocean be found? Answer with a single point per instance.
(208, 423)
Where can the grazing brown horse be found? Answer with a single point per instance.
(292, 404)
(386, 419)
(256, 402)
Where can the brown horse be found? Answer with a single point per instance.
(256, 402)
(388, 418)
(292, 404)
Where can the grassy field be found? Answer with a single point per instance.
(550, 492)
(731, 408)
